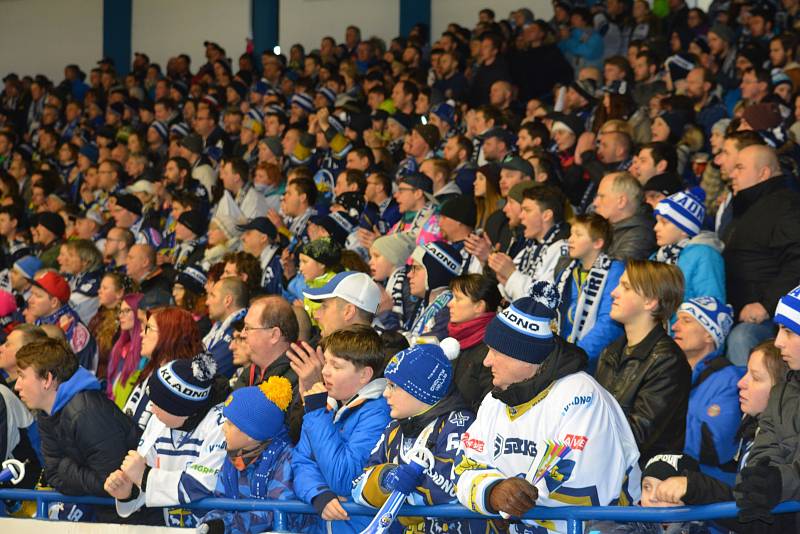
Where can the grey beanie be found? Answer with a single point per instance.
(396, 247)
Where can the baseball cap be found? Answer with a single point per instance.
(516, 163)
(261, 224)
(54, 285)
(354, 287)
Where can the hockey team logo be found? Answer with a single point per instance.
(526, 324)
(575, 442)
(444, 259)
(578, 400)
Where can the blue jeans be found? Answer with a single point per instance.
(744, 337)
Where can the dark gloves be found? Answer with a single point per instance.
(514, 496)
(758, 492)
(215, 526)
(404, 478)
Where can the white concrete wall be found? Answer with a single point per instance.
(43, 36)
(165, 28)
(307, 21)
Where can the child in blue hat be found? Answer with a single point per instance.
(257, 466)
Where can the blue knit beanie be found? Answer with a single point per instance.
(788, 311)
(684, 209)
(715, 316)
(260, 411)
(522, 331)
(424, 371)
(441, 260)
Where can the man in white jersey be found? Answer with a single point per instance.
(548, 433)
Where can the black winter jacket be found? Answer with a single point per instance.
(84, 440)
(634, 237)
(651, 382)
(762, 245)
(471, 378)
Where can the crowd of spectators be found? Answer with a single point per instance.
(554, 260)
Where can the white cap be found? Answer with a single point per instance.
(354, 287)
(142, 186)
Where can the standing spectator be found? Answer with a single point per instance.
(713, 416)
(433, 266)
(227, 303)
(125, 360)
(181, 451)
(84, 437)
(492, 67)
(475, 303)
(171, 335)
(534, 369)
(762, 247)
(644, 369)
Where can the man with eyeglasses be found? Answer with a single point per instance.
(117, 245)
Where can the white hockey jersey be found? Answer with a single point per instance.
(530, 270)
(571, 441)
(184, 466)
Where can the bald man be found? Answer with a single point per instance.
(762, 246)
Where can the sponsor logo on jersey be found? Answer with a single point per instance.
(507, 446)
(576, 442)
(472, 443)
(578, 400)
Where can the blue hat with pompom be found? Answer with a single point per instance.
(522, 331)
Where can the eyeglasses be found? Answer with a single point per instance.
(125, 311)
(405, 189)
(247, 328)
(148, 328)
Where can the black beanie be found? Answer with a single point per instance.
(462, 209)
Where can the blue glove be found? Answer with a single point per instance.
(404, 478)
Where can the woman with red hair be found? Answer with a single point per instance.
(169, 334)
(125, 359)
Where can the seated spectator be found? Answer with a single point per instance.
(81, 265)
(258, 462)
(48, 234)
(414, 196)
(187, 291)
(84, 437)
(474, 304)
(171, 335)
(542, 396)
(104, 326)
(190, 239)
(126, 362)
(127, 213)
(336, 440)
(769, 477)
(49, 304)
(260, 238)
(644, 369)
(620, 200)
(457, 222)
(546, 230)
(681, 242)
(713, 415)
(422, 403)
(117, 246)
(584, 281)
(223, 237)
(388, 264)
(245, 267)
(182, 449)
(141, 266)
(765, 370)
(21, 277)
(320, 259)
(433, 267)
(227, 302)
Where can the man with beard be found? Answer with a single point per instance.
(708, 108)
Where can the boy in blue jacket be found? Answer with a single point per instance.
(426, 413)
(584, 282)
(698, 254)
(345, 415)
(257, 466)
(714, 415)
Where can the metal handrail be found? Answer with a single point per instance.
(573, 515)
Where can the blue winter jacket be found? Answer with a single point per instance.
(583, 50)
(605, 329)
(713, 418)
(703, 267)
(333, 449)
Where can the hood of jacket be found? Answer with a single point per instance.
(371, 391)
(707, 238)
(82, 380)
(566, 359)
